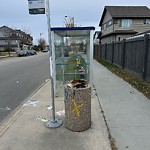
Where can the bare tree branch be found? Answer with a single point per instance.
(42, 43)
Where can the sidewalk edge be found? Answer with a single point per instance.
(10, 119)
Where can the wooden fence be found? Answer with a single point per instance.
(132, 55)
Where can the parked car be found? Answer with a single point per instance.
(23, 53)
(26, 52)
(32, 52)
(45, 50)
(17, 52)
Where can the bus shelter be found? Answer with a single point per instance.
(72, 54)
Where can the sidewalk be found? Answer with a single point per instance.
(6, 57)
(26, 130)
(3, 57)
(127, 111)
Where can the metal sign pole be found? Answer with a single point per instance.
(52, 123)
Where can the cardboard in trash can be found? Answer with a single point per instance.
(77, 108)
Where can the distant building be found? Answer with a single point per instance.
(14, 39)
(120, 22)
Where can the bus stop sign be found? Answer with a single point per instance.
(36, 6)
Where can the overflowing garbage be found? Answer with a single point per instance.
(81, 83)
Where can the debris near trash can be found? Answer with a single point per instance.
(81, 83)
(77, 105)
(82, 72)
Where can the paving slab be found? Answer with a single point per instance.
(126, 110)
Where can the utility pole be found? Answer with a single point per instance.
(52, 123)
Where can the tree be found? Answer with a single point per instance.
(35, 47)
(42, 44)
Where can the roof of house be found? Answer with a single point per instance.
(96, 33)
(119, 32)
(148, 31)
(6, 27)
(126, 12)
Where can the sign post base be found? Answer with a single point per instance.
(53, 123)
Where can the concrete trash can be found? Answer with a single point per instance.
(77, 108)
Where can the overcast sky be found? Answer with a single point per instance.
(15, 14)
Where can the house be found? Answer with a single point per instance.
(13, 39)
(120, 22)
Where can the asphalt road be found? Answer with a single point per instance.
(19, 78)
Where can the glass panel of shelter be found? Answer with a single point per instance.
(72, 58)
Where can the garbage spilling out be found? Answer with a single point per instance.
(5, 109)
(61, 113)
(81, 83)
(43, 119)
(31, 103)
(49, 108)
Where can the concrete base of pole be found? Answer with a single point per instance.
(54, 123)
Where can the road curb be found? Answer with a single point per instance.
(12, 117)
(6, 124)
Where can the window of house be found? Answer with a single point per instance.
(146, 21)
(119, 38)
(9, 34)
(109, 23)
(125, 23)
(17, 34)
(109, 39)
(104, 27)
